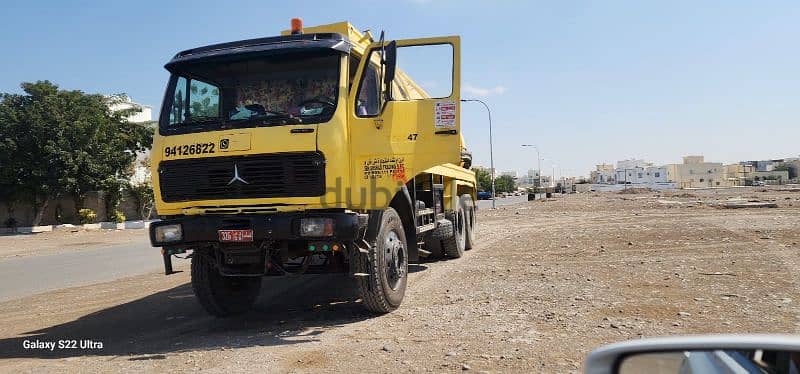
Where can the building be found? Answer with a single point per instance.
(656, 174)
(603, 174)
(146, 115)
(694, 172)
(771, 177)
(531, 179)
(793, 167)
(641, 175)
(511, 173)
(740, 174)
(745, 173)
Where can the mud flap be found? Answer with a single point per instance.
(167, 261)
(365, 245)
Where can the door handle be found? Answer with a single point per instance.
(447, 132)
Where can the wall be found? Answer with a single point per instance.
(774, 176)
(603, 176)
(656, 174)
(62, 210)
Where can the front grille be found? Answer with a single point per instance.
(297, 174)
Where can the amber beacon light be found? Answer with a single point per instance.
(297, 26)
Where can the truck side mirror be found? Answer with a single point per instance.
(390, 62)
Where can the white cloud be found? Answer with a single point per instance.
(480, 91)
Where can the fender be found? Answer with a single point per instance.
(404, 206)
(401, 202)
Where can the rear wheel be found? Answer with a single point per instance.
(387, 265)
(469, 208)
(454, 245)
(433, 240)
(220, 295)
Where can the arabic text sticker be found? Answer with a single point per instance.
(445, 115)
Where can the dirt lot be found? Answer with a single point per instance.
(548, 282)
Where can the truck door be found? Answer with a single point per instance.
(405, 124)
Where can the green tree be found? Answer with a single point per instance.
(484, 179)
(505, 183)
(58, 142)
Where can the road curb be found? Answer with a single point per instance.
(127, 225)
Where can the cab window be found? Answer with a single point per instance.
(193, 100)
(368, 102)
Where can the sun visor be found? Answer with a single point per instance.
(263, 46)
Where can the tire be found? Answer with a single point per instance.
(387, 265)
(469, 208)
(454, 245)
(433, 240)
(219, 295)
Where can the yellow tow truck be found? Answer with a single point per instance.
(311, 152)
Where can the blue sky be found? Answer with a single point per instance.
(588, 82)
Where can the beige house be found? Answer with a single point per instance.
(694, 172)
(739, 174)
(603, 173)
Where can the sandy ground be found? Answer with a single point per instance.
(547, 283)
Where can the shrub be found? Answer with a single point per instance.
(86, 215)
(118, 217)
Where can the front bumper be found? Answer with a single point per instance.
(276, 227)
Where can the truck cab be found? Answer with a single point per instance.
(314, 151)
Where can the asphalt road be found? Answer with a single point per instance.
(487, 204)
(28, 275)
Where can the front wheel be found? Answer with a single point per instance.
(387, 265)
(219, 295)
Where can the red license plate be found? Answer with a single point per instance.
(235, 235)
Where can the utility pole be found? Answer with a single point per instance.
(491, 152)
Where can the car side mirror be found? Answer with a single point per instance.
(699, 354)
(390, 63)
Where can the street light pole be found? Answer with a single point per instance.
(491, 152)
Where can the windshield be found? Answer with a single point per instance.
(274, 90)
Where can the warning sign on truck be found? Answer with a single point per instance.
(445, 115)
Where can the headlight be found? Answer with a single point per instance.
(316, 227)
(169, 233)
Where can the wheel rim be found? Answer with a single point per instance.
(395, 259)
